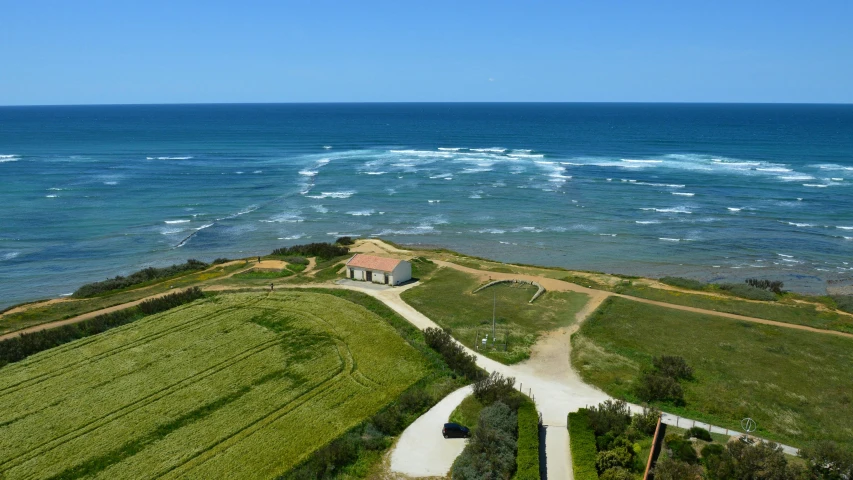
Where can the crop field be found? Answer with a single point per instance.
(446, 297)
(235, 386)
(795, 384)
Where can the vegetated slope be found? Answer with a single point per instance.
(237, 386)
(446, 298)
(795, 384)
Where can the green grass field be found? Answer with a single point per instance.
(73, 307)
(795, 384)
(236, 386)
(445, 297)
(799, 314)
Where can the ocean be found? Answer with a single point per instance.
(714, 192)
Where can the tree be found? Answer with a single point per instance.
(617, 473)
(496, 387)
(490, 454)
(654, 386)
(673, 366)
(828, 461)
(669, 469)
(742, 461)
(647, 421)
(609, 417)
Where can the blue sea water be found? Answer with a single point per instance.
(715, 192)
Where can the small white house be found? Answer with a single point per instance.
(387, 271)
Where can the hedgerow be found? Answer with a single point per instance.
(136, 278)
(527, 458)
(321, 250)
(454, 354)
(582, 445)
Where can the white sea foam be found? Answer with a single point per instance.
(800, 177)
(345, 194)
(665, 239)
(111, 182)
(170, 222)
(9, 158)
(837, 179)
(495, 231)
(442, 175)
(10, 255)
(375, 173)
(844, 228)
(522, 150)
(795, 224)
(652, 184)
(684, 194)
(833, 166)
(362, 213)
(449, 149)
(815, 185)
(669, 210)
(258, 171)
(774, 169)
(434, 201)
(54, 189)
(646, 222)
(527, 230)
(171, 231)
(292, 237)
(489, 150)
(628, 160)
(168, 158)
(786, 256)
(526, 155)
(287, 217)
(308, 173)
(50, 196)
(327, 147)
(734, 209)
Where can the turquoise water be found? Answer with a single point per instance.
(715, 192)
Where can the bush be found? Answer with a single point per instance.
(698, 432)
(345, 241)
(610, 417)
(142, 276)
(826, 459)
(527, 459)
(762, 461)
(454, 354)
(684, 451)
(320, 250)
(670, 469)
(844, 302)
(686, 283)
(172, 300)
(616, 458)
(296, 260)
(496, 387)
(656, 387)
(617, 473)
(582, 445)
(712, 450)
(491, 451)
(220, 261)
(771, 286)
(673, 366)
(647, 421)
(745, 291)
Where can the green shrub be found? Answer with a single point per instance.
(136, 278)
(582, 445)
(219, 261)
(743, 290)
(610, 417)
(321, 250)
(345, 241)
(527, 459)
(712, 450)
(454, 355)
(654, 386)
(681, 449)
(617, 473)
(646, 422)
(698, 432)
(774, 286)
(495, 387)
(844, 302)
(686, 283)
(670, 469)
(673, 366)
(491, 451)
(295, 260)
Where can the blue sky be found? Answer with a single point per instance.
(82, 52)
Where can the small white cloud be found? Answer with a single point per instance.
(491, 79)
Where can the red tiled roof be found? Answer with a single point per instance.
(371, 262)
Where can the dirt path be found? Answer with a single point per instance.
(600, 296)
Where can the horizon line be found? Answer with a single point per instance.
(419, 103)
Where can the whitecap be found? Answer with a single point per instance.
(171, 231)
(320, 209)
(684, 194)
(442, 175)
(449, 149)
(50, 196)
(111, 183)
(669, 210)
(204, 226)
(795, 224)
(10, 255)
(287, 217)
(837, 179)
(734, 209)
(362, 213)
(293, 237)
(489, 150)
(345, 194)
(434, 201)
(258, 171)
(526, 155)
(170, 222)
(309, 173)
(327, 147)
(844, 228)
(815, 185)
(495, 231)
(375, 173)
(168, 158)
(646, 222)
(8, 158)
(665, 239)
(795, 178)
(628, 160)
(786, 256)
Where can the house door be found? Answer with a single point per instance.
(351, 273)
(386, 279)
(369, 276)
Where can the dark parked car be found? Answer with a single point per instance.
(451, 430)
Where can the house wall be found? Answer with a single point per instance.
(402, 273)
